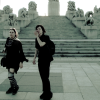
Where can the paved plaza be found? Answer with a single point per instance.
(72, 78)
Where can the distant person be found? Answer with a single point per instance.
(44, 59)
(15, 58)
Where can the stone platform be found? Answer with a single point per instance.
(78, 77)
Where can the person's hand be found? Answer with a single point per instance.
(21, 65)
(36, 33)
(34, 62)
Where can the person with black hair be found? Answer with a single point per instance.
(44, 59)
(14, 59)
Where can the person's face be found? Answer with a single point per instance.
(12, 34)
(40, 31)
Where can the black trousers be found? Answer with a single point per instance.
(44, 69)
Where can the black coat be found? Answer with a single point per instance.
(43, 54)
(14, 54)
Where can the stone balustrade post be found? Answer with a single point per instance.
(6, 30)
(89, 31)
(78, 21)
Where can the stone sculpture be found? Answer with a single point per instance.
(79, 13)
(23, 13)
(71, 6)
(95, 9)
(32, 5)
(7, 9)
(89, 20)
(53, 0)
(12, 20)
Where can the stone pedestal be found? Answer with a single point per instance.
(32, 14)
(70, 14)
(78, 21)
(96, 15)
(89, 31)
(22, 22)
(53, 8)
(7, 28)
(5, 17)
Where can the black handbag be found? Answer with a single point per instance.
(3, 61)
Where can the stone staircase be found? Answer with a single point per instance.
(64, 48)
(68, 39)
(57, 27)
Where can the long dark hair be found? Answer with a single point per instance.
(41, 27)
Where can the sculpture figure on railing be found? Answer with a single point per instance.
(7, 9)
(32, 5)
(95, 9)
(23, 13)
(89, 20)
(79, 13)
(12, 20)
(32, 10)
(71, 6)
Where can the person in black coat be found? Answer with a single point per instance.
(44, 59)
(14, 58)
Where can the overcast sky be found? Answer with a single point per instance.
(42, 5)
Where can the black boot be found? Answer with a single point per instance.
(15, 89)
(9, 90)
(48, 96)
(42, 95)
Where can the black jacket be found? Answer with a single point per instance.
(43, 54)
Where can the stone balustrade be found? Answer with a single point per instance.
(4, 17)
(78, 21)
(22, 22)
(6, 30)
(89, 31)
(70, 14)
(32, 14)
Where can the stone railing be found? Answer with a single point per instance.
(91, 32)
(22, 22)
(6, 30)
(78, 21)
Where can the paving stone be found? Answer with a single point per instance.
(79, 72)
(32, 96)
(96, 84)
(68, 76)
(90, 93)
(18, 96)
(89, 71)
(30, 81)
(73, 96)
(67, 70)
(70, 87)
(84, 81)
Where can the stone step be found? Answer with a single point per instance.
(60, 26)
(68, 52)
(66, 42)
(67, 49)
(65, 55)
(62, 46)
